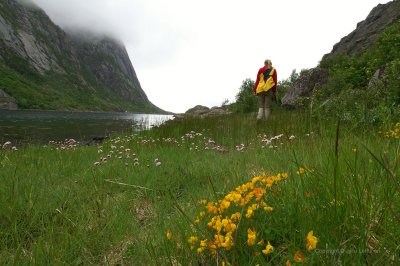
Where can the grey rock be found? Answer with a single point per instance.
(204, 111)
(7, 102)
(367, 31)
(197, 110)
(376, 78)
(305, 85)
(216, 111)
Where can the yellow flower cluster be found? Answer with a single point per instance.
(232, 221)
(223, 216)
(394, 133)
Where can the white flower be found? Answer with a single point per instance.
(6, 144)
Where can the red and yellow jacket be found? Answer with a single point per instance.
(266, 80)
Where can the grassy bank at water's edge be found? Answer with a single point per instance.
(136, 198)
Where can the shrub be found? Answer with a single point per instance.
(348, 94)
(246, 102)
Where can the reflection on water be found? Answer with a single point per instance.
(42, 126)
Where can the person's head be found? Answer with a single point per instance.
(268, 63)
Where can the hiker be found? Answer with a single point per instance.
(265, 89)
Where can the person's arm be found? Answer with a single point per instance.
(257, 81)
(275, 77)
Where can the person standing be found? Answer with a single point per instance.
(265, 89)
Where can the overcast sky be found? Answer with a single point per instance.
(190, 52)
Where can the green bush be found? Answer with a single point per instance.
(246, 101)
(350, 95)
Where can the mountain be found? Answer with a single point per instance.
(368, 30)
(371, 50)
(44, 67)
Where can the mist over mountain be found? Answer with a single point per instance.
(45, 67)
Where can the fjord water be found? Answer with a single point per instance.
(42, 126)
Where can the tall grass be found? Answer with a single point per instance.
(113, 204)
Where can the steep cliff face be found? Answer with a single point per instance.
(368, 30)
(108, 62)
(43, 67)
(362, 39)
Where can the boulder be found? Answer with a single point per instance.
(7, 102)
(305, 85)
(376, 78)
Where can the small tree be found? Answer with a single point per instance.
(246, 102)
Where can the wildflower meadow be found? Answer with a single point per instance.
(221, 190)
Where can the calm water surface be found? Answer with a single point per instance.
(43, 126)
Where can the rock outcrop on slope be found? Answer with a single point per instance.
(44, 67)
(368, 30)
(361, 39)
(305, 85)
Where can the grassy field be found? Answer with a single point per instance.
(215, 191)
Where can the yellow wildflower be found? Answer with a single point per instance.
(200, 250)
(192, 241)
(211, 208)
(268, 249)
(336, 202)
(235, 216)
(311, 241)
(228, 243)
(259, 192)
(203, 202)
(219, 239)
(249, 212)
(251, 237)
(299, 257)
(224, 205)
(268, 208)
(169, 234)
(300, 171)
(203, 243)
(212, 247)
